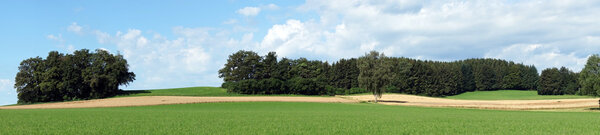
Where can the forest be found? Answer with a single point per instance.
(247, 72)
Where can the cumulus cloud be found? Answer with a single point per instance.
(6, 86)
(230, 21)
(7, 92)
(253, 11)
(75, 28)
(440, 30)
(541, 55)
(57, 38)
(249, 11)
(61, 42)
(270, 7)
(191, 58)
(544, 33)
(297, 39)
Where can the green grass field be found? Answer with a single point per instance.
(293, 118)
(192, 91)
(510, 95)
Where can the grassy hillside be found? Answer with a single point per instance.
(510, 95)
(190, 91)
(293, 118)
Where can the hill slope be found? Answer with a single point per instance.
(190, 91)
(510, 95)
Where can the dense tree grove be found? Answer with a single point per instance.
(554, 81)
(81, 75)
(247, 72)
(589, 77)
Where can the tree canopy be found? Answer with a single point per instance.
(247, 72)
(589, 77)
(375, 73)
(554, 81)
(81, 75)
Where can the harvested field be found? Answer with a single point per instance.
(388, 99)
(163, 100)
(412, 100)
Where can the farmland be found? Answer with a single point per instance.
(510, 95)
(297, 117)
(293, 118)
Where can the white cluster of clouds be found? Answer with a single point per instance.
(444, 30)
(190, 59)
(6, 86)
(61, 42)
(539, 54)
(249, 11)
(545, 33)
(253, 11)
(75, 28)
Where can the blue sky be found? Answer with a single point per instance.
(183, 43)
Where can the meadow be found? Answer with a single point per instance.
(298, 118)
(197, 92)
(189, 91)
(293, 118)
(510, 95)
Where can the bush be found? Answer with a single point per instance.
(305, 86)
(393, 89)
(269, 86)
(334, 91)
(356, 91)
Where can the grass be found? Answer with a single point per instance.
(293, 118)
(510, 95)
(192, 91)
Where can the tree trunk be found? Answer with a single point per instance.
(375, 95)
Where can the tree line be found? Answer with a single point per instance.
(556, 81)
(81, 75)
(249, 73)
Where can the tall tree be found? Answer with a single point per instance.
(550, 82)
(589, 77)
(28, 79)
(530, 77)
(345, 73)
(283, 69)
(240, 66)
(468, 80)
(268, 65)
(514, 80)
(375, 72)
(568, 81)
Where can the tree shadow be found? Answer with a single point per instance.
(130, 92)
(389, 101)
(594, 109)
